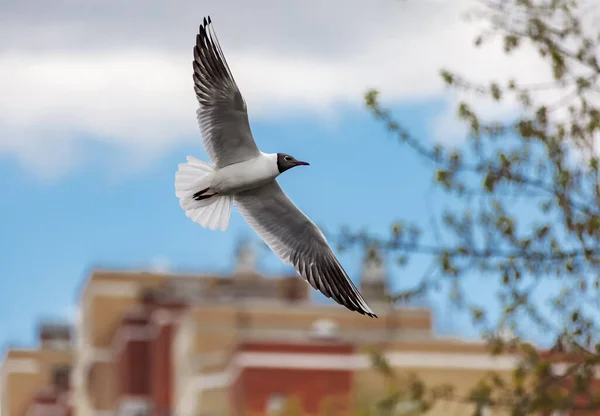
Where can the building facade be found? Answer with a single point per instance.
(239, 345)
(35, 382)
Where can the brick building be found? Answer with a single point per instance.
(239, 345)
(35, 382)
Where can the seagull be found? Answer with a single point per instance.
(245, 176)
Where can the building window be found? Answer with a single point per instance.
(60, 376)
(293, 289)
(275, 404)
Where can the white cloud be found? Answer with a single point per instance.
(72, 73)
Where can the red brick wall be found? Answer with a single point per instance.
(131, 349)
(133, 369)
(162, 377)
(251, 391)
(311, 387)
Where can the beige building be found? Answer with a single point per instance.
(32, 380)
(191, 345)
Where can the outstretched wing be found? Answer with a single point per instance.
(222, 113)
(296, 240)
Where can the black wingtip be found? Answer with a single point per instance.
(209, 21)
(369, 314)
(204, 22)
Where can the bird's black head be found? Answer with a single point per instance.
(285, 162)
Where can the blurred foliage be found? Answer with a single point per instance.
(293, 407)
(522, 204)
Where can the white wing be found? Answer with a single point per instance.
(297, 241)
(222, 114)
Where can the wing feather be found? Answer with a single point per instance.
(296, 240)
(222, 114)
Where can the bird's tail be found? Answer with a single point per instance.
(192, 186)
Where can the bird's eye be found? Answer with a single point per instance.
(287, 158)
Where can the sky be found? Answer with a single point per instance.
(97, 109)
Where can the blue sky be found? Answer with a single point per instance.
(56, 232)
(97, 110)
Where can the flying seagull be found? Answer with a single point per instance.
(245, 176)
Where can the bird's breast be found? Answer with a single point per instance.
(245, 175)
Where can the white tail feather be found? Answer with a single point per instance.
(194, 176)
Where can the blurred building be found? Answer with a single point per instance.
(206, 345)
(36, 381)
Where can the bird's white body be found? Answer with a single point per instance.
(242, 176)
